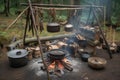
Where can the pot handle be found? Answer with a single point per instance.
(18, 53)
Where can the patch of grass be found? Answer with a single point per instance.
(117, 38)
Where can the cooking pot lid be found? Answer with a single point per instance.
(53, 24)
(57, 53)
(69, 26)
(17, 53)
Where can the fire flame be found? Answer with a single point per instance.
(51, 66)
(58, 64)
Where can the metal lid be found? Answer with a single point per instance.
(57, 52)
(17, 53)
(53, 24)
(69, 26)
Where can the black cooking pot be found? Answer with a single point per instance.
(68, 28)
(56, 54)
(53, 27)
(85, 56)
(17, 57)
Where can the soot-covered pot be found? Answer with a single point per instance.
(53, 27)
(17, 57)
(56, 54)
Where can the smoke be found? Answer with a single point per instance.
(87, 16)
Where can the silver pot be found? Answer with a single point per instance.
(18, 57)
(69, 28)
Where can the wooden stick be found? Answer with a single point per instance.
(60, 5)
(111, 34)
(26, 26)
(17, 18)
(58, 8)
(38, 39)
(106, 43)
(113, 41)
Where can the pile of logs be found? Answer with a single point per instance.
(34, 52)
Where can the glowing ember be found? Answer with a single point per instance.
(51, 66)
(60, 65)
(57, 62)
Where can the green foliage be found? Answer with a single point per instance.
(2, 33)
(1, 7)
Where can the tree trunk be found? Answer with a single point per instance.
(76, 2)
(7, 7)
(40, 1)
(72, 2)
(108, 10)
(50, 1)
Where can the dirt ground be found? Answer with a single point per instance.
(32, 71)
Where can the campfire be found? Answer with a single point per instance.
(57, 62)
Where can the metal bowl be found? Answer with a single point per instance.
(97, 62)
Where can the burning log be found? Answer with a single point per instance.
(67, 66)
(57, 62)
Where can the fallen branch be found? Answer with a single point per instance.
(17, 18)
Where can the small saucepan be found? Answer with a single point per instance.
(84, 56)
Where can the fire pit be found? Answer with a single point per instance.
(57, 62)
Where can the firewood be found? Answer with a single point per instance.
(67, 66)
(58, 74)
